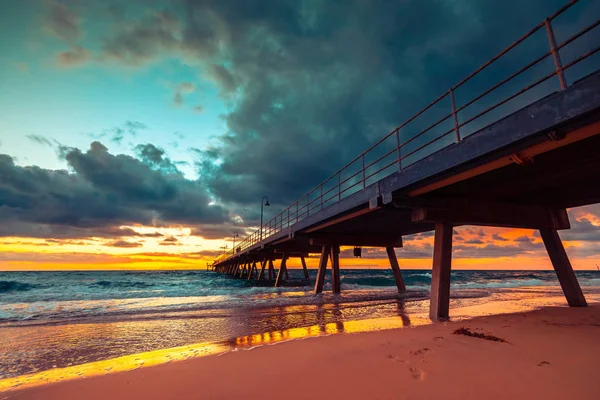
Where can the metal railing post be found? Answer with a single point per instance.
(364, 181)
(339, 185)
(307, 205)
(455, 116)
(398, 147)
(321, 195)
(557, 63)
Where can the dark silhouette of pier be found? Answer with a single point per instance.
(518, 161)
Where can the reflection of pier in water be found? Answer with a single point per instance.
(517, 161)
(322, 321)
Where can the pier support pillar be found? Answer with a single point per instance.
(562, 267)
(282, 270)
(322, 269)
(252, 269)
(440, 275)
(304, 267)
(262, 269)
(396, 269)
(335, 269)
(271, 270)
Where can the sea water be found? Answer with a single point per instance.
(61, 319)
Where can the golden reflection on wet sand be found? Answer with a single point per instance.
(408, 316)
(119, 364)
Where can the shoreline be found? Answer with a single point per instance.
(550, 353)
(162, 358)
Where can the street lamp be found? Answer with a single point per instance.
(224, 248)
(262, 203)
(234, 236)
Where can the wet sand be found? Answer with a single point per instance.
(550, 353)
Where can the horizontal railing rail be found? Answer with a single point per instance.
(370, 170)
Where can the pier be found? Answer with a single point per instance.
(519, 167)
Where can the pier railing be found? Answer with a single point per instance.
(393, 153)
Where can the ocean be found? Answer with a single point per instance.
(53, 320)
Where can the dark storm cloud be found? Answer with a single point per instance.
(103, 191)
(314, 85)
(44, 230)
(310, 84)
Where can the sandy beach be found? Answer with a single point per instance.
(552, 353)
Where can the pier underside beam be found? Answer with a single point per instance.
(322, 269)
(440, 275)
(282, 270)
(396, 269)
(562, 267)
(494, 214)
(356, 240)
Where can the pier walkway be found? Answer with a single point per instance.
(518, 159)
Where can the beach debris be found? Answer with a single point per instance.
(542, 363)
(468, 332)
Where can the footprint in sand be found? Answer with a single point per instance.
(420, 352)
(416, 373)
(396, 359)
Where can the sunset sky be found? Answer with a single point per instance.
(143, 134)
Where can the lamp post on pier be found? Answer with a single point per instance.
(262, 204)
(224, 248)
(234, 236)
